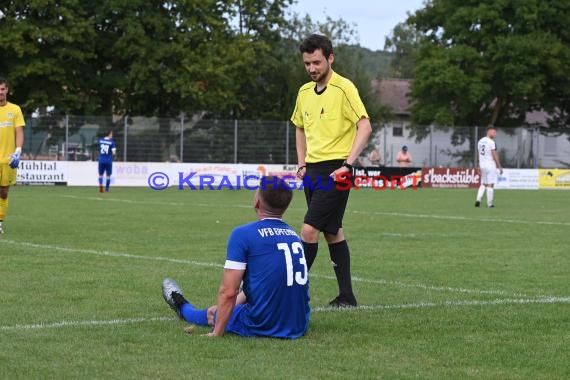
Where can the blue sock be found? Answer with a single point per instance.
(100, 181)
(192, 315)
(108, 183)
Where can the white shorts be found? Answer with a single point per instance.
(488, 175)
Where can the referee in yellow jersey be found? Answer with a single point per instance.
(11, 141)
(333, 128)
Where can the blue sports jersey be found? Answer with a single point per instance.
(106, 146)
(276, 279)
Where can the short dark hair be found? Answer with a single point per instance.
(275, 194)
(4, 81)
(490, 126)
(315, 42)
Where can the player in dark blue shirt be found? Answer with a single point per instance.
(107, 151)
(267, 255)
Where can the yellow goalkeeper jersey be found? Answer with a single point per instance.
(10, 118)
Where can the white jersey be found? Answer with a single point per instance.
(485, 147)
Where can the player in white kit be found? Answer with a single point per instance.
(488, 165)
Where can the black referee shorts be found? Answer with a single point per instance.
(326, 203)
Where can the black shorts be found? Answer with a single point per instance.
(326, 203)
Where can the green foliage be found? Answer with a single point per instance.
(404, 43)
(45, 45)
(222, 59)
(491, 62)
(135, 57)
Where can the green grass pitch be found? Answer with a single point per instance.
(447, 290)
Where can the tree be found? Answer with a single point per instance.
(491, 61)
(212, 58)
(136, 57)
(404, 44)
(258, 48)
(43, 50)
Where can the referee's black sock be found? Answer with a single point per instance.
(340, 256)
(310, 253)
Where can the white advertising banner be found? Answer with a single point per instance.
(160, 176)
(42, 173)
(221, 176)
(190, 176)
(85, 173)
(521, 179)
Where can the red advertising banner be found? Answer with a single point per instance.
(450, 178)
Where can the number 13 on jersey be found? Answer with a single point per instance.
(295, 252)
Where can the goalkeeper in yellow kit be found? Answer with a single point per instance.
(11, 140)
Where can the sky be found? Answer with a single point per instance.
(374, 19)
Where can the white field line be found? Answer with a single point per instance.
(106, 199)
(415, 305)
(108, 253)
(413, 235)
(215, 265)
(457, 303)
(400, 284)
(396, 214)
(462, 218)
(41, 326)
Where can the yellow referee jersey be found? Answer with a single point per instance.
(10, 118)
(329, 118)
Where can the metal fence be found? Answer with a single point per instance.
(522, 147)
(141, 139)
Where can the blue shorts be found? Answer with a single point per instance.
(239, 324)
(106, 167)
(235, 325)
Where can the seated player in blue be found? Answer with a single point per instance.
(107, 150)
(267, 255)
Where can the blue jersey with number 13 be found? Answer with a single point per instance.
(276, 278)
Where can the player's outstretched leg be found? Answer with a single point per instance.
(173, 295)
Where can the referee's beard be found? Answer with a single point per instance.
(320, 77)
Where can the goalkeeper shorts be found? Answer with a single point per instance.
(7, 175)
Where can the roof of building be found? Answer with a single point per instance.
(393, 93)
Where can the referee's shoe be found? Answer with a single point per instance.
(341, 302)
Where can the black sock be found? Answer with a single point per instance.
(179, 299)
(310, 253)
(340, 256)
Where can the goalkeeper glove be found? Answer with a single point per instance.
(15, 158)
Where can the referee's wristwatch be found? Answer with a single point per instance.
(347, 165)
